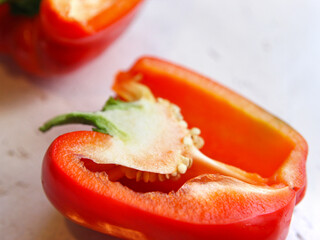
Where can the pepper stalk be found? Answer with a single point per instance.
(23, 7)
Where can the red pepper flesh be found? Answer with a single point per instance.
(199, 205)
(51, 42)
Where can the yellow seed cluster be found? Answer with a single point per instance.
(145, 176)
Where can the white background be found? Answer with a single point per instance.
(268, 51)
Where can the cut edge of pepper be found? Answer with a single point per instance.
(86, 26)
(298, 154)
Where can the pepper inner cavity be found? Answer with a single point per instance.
(149, 140)
(81, 10)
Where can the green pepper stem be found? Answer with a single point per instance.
(23, 7)
(100, 123)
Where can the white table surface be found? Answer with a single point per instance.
(269, 51)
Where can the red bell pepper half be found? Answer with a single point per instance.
(48, 37)
(204, 203)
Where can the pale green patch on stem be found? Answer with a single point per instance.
(97, 119)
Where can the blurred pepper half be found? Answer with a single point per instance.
(202, 203)
(49, 37)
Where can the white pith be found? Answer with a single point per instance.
(154, 143)
(81, 10)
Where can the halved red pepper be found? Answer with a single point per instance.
(201, 204)
(48, 37)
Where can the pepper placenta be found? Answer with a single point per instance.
(49, 37)
(126, 178)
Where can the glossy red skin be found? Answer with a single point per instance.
(92, 208)
(39, 46)
(77, 194)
